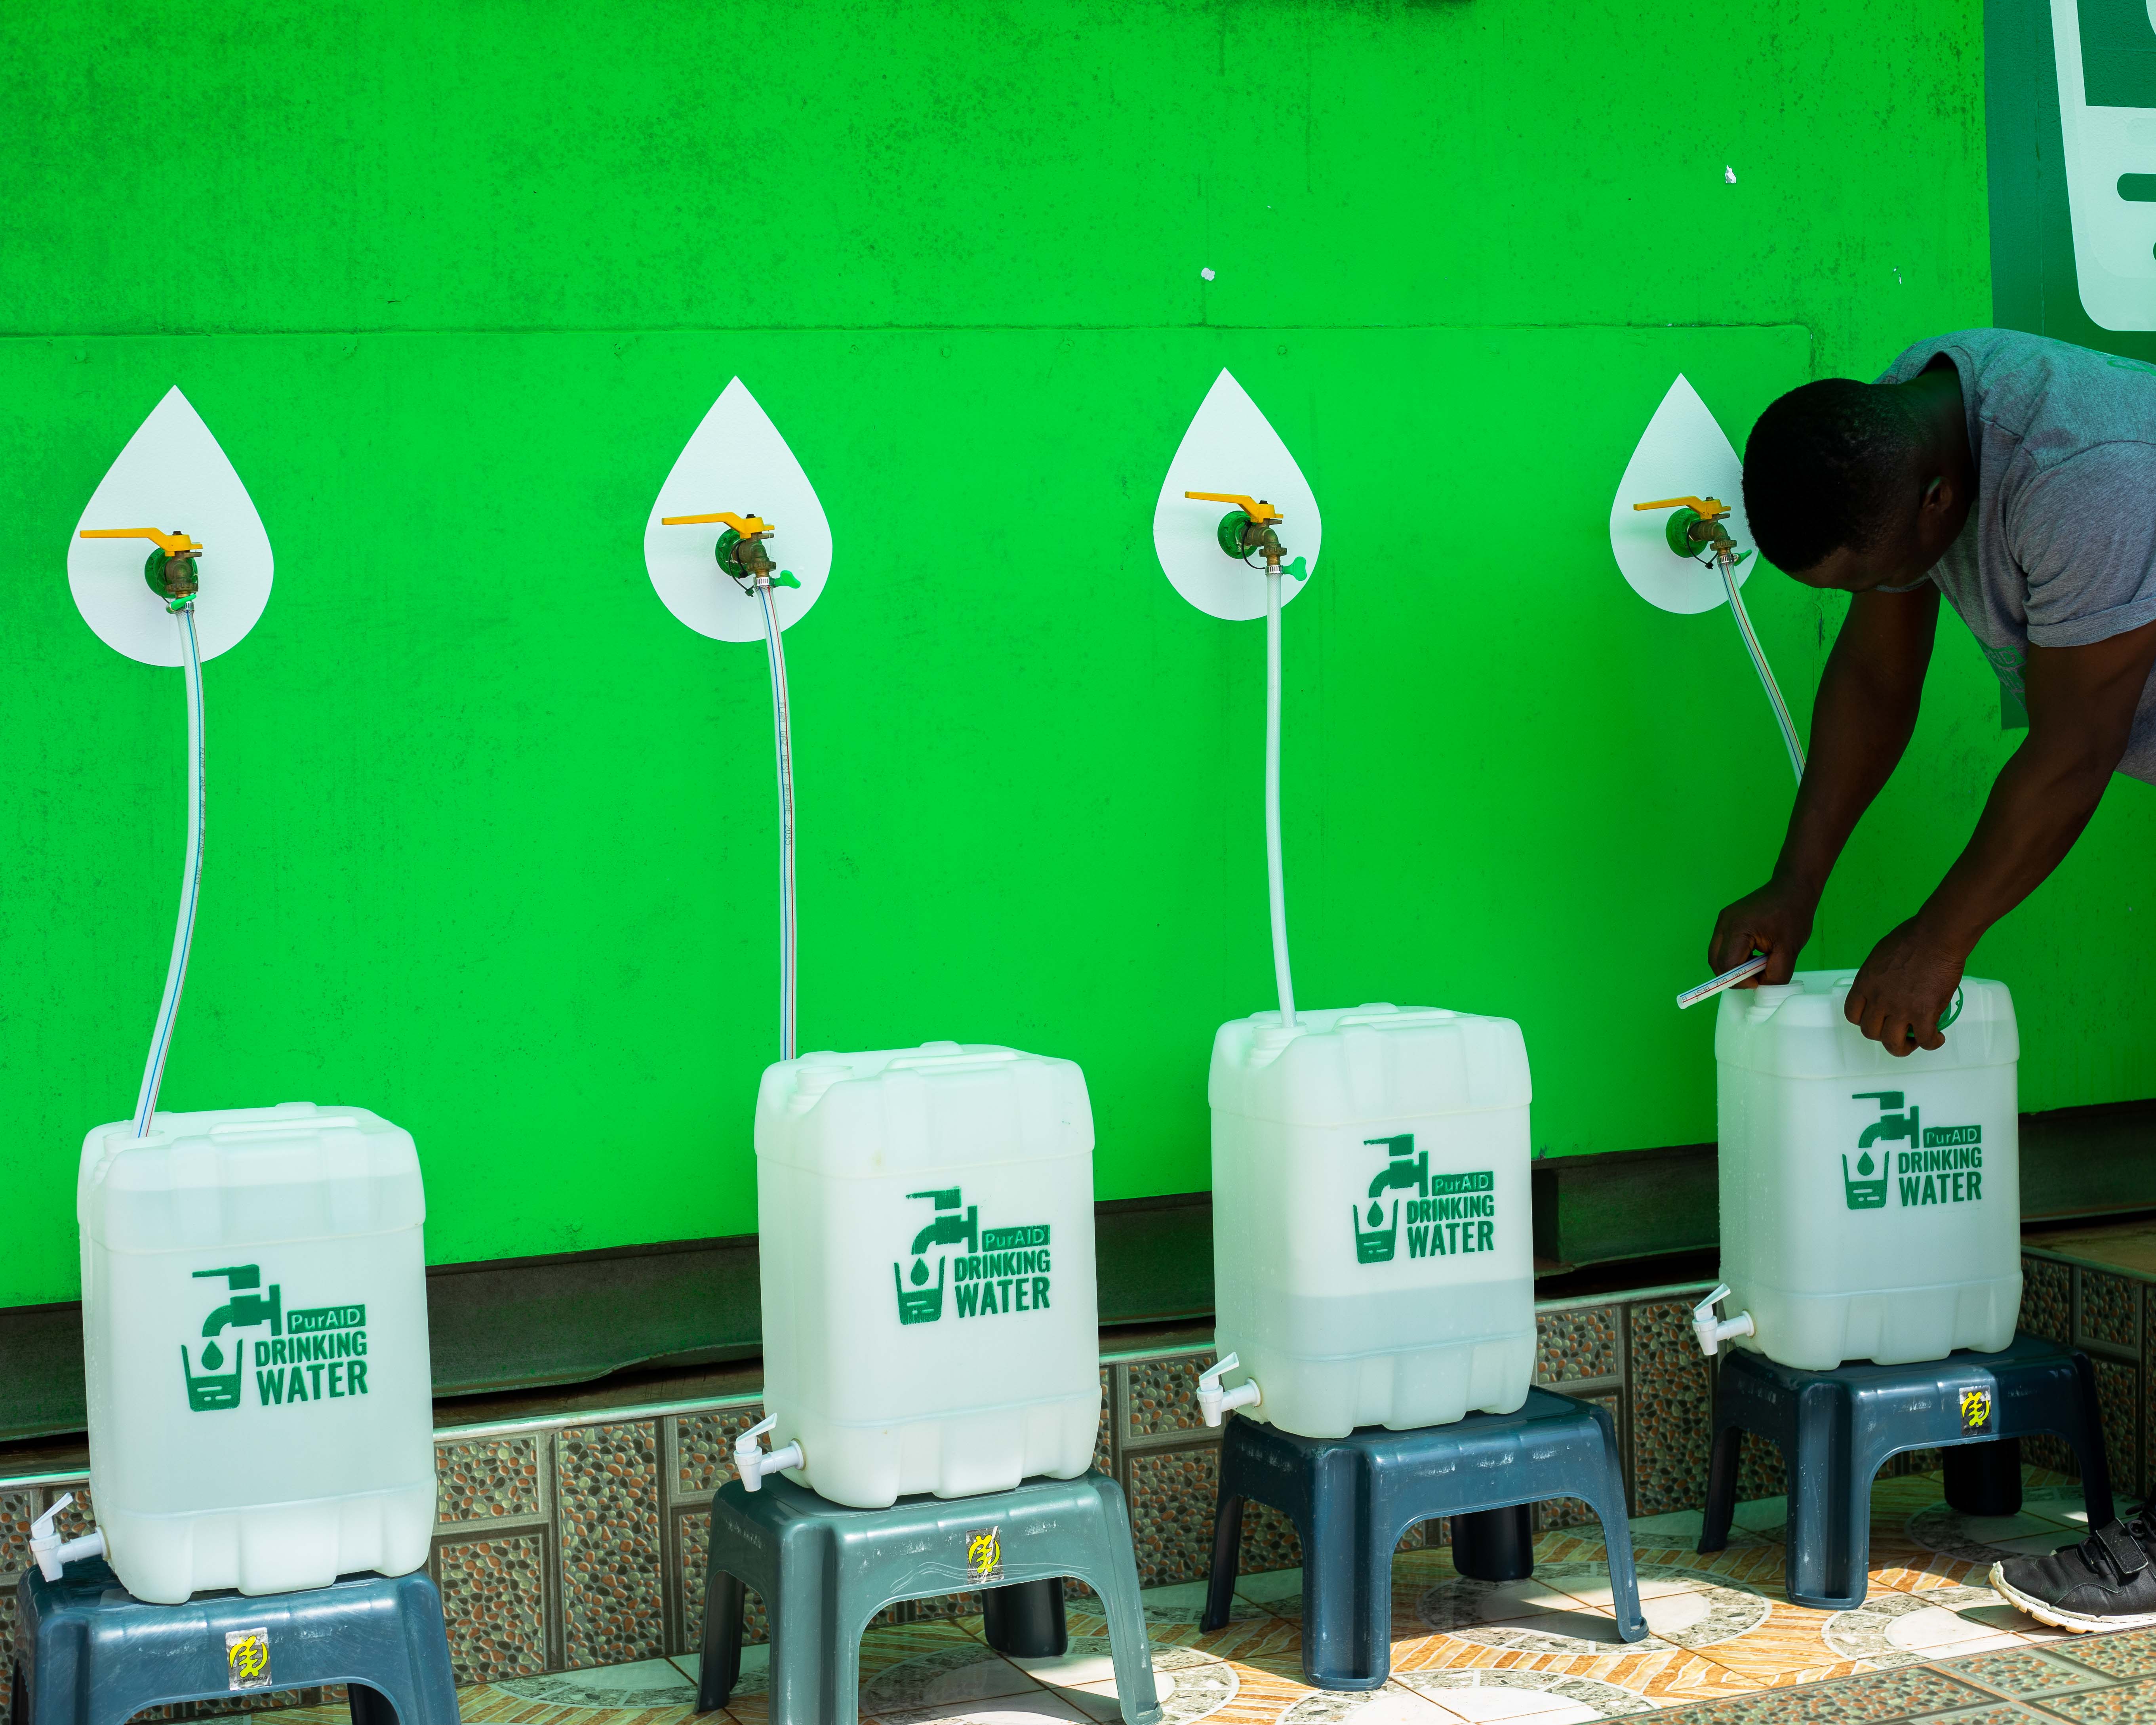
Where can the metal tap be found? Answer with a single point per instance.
(170, 570)
(740, 550)
(1696, 526)
(1246, 528)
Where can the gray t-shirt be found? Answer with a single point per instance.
(2060, 546)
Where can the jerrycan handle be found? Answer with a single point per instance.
(1213, 1401)
(752, 1464)
(1712, 1330)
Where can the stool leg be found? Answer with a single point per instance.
(369, 1705)
(1985, 1479)
(1721, 1488)
(1025, 1620)
(1829, 1531)
(1227, 1561)
(721, 1670)
(1495, 1544)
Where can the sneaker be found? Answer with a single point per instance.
(2108, 1582)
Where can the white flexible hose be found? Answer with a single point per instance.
(785, 741)
(183, 936)
(1789, 737)
(1275, 873)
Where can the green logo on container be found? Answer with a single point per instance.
(315, 1355)
(1444, 1213)
(1943, 1164)
(1000, 1269)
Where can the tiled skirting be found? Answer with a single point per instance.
(2105, 1312)
(581, 1541)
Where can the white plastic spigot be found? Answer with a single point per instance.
(1712, 1330)
(54, 1553)
(1213, 1401)
(752, 1464)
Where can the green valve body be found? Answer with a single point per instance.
(1678, 531)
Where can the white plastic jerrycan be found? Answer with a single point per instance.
(254, 1326)
(929, 1317)
(1871, 1206)
(1373, 1255)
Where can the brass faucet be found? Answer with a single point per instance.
(1248, 527)
(740, 550)
(170, 569)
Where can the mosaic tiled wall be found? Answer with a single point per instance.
(582, 1543)
(2106, 1314)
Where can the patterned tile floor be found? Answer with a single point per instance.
(1930, 1642)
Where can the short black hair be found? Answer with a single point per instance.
(1828, 465)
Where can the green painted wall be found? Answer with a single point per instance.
(490, 834)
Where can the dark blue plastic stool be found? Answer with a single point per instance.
(824, 1570)
(89, 1652)
(1836, 1429)
(1352, 1498)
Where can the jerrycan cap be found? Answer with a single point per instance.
(814, 1073)
(1765, 999)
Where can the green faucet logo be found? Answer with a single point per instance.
(1866, 1188)
(1404, 1171)
(921, 1304)
(209, 1391)
(994, 1270)
(315, 1353)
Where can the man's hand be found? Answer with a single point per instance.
(1776, 920)
(1904, 987)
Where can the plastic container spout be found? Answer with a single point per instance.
(1712, 1330)
(54, 1553)
(1213, 1401)
(751, 1462)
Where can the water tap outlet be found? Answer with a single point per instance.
(1213, 1401)
(752, 1464)
(53, 1553)
(1696, 526)
(1712, 1330)
(1247, 529)
(740, 549)
(170, 571)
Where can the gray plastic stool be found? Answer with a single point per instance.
(1836, 1430)
(824, 1570)
(88, 1652)
(1352, 1498)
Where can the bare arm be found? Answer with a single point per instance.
(2081, 703)
(1861, 722)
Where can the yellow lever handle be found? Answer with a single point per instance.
(747, 526)
(1259, 512)
(172, 544)
(1712, 509)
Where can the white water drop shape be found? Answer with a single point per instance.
(172, 474)
(1231, 446)
(735, 460)
(1681, 454)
